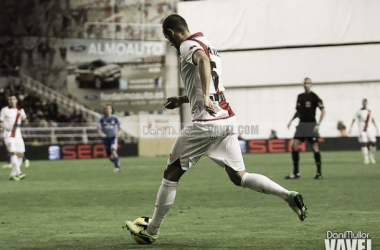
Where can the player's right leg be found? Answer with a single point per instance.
(20, 174)
(165, 199)
(363, 139)
(296, 158)
(188, 148)
(20, 149)
(15, 167)
(365, 152)
(26, 161)
(11, 145)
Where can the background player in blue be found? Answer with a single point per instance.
(109, 129)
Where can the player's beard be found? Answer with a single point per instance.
(173, 42)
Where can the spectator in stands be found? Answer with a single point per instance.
(342, 129)
(273, 134)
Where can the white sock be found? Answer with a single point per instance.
(165, 199)
(15, 165)
(263, 184)
(372, 151)
(365, 152)
(19, 162)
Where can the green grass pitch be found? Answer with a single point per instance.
(82, 204)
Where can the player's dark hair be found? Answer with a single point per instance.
(175, 22)
(19, 104)
(113, 110)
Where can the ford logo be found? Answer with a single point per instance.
(78, 48)
(91, 96)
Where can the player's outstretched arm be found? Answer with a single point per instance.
(374, 124)
(291, 120)
(23, 117)
(352, 124)
(175, 101)
(25, 121)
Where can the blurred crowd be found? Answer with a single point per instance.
(44, 114)
(40, 113)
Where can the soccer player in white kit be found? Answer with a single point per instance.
(10, 119)
(212, 131)
(367, 132)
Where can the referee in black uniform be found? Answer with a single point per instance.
(307, 128)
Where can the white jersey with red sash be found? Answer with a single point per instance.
(366, 131)
(11, 118)
(364, 118)
(213, 136)
(191, 79)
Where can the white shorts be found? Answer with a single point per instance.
(215, 139)
(367, 136)
(14, 144)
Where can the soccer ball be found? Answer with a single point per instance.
(142, 222)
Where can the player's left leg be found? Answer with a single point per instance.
(8, 164)
(20, 149)
(26, 161)
(263, 184)
(318, 160)
(257, 182)
(115, 159)
(372, 151)
(296, 158)
(227, 154)
(363, 139)
(114, 156)
(372, 146)
(365, 152)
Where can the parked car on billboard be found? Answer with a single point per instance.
(98, 74)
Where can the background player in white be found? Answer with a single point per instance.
(212, 131)
(10, 119)
(367, 133)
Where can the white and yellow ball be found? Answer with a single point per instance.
(142, 222)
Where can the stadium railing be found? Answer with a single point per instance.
(54, 96)
(65, 134)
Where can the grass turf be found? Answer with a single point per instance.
(82, 204)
